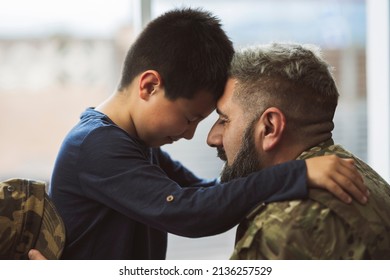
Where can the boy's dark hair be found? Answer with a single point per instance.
(188, 48)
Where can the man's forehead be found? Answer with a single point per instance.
(226, 99)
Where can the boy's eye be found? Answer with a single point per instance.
(189, 121)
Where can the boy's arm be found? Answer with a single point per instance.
(143, 192)
(178, 172)
(336, 175)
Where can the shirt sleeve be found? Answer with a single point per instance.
(118, 174)
(297, 230)
(177, 172)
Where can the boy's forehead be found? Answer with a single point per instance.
(202, 104)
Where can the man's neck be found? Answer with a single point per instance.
(291, 150)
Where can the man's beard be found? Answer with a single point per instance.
(246, 161)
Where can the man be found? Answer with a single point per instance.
(278, 105)
(119, 193)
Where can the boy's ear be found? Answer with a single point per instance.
(149, 83)
(271, 127)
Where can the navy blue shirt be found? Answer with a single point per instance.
(119, 198)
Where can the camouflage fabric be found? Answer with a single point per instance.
(28, 220)
(321, 227)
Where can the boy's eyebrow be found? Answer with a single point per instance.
(202, 117)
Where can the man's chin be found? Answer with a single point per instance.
(226, 174)
(237, 170)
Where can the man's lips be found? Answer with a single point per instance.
(221, 154)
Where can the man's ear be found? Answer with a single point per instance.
(271, 126)
(149, 83)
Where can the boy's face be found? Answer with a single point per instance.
(169, 121)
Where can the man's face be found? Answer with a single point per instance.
(247, 159)
(233, 137)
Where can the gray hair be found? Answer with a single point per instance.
(293, 77)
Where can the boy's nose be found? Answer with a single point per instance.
(189, 133)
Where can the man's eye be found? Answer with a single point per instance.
(222, 121)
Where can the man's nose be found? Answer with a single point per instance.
(214, 138)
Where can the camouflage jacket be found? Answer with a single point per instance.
(320, 227)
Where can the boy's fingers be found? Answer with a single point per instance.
(345, 188)
(354, 179)
(338, 176)
(338, 192)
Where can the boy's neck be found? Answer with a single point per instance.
(118, 108)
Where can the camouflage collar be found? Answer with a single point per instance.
(319, 149)
(316, 149)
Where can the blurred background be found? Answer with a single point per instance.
(59, 57)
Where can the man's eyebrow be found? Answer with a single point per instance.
(220, 113)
